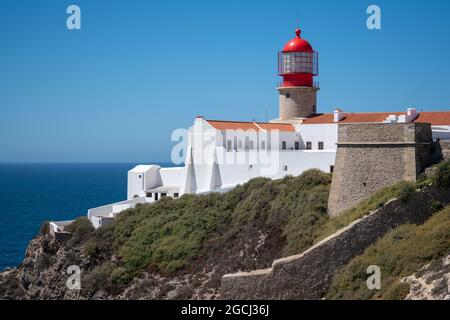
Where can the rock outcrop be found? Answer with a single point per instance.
(432, 282)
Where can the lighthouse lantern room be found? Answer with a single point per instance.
(298, 64)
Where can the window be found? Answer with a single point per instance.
(263, 144)
(288, 95)
(297, 145)
(176, 195)
(163, 195)
(149, 195)
(283, 145)
(320, 145)
(298, 62)
(308, 145)
(140, 176)
(285, 168)
(331, 169)
(229, 145)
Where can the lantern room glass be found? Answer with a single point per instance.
(298, 62)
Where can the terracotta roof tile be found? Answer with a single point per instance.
(257, 126)
(435, 118)
(277, 126)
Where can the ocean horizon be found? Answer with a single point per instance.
(32, 193)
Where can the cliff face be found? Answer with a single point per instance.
(176, 249)
(43, 273)
(432, 282)
(181, 249)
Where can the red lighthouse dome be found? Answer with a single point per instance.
(298, 63)
(298, 44)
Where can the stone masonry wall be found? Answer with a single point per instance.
(309, 275)
(371, 156)
(302, 102)
(444, 149)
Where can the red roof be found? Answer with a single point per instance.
(298, 44)
(435, 118)
(257, 126)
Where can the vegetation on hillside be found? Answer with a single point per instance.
(246, 229)
(275, 218)
(378, 199)
(400, 253)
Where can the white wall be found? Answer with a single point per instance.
(171, 176)
(135, 184)
(441, 132)
(273, 165)
(107, 211)
(246, 160)
(142, 178)
(327, 133)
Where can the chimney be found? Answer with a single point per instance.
(411, 115)
(338, 115)
(411, 112)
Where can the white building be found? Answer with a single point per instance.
(222, 154)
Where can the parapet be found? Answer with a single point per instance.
(371, 156)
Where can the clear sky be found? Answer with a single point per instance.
(114, 90)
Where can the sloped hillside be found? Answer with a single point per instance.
(404, 255)
(400, 253)
(179, 248)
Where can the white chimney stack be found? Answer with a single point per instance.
(338, 115)
(411, 115)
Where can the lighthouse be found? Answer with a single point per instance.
(298, 65)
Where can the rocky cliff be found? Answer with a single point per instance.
(176, 249)
(181, 249)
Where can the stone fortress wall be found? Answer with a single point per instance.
(443, 150)
(309, 275)
(371, 156)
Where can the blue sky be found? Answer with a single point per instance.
(115, 90)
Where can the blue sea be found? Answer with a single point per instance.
(33, 193)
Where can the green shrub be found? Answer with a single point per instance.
(375, 201)
(100, 245)
(81, 230)
(169, 236)
(436, 206)
(406, 191)
(98, 279)
(442, 176)
(399, 253)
